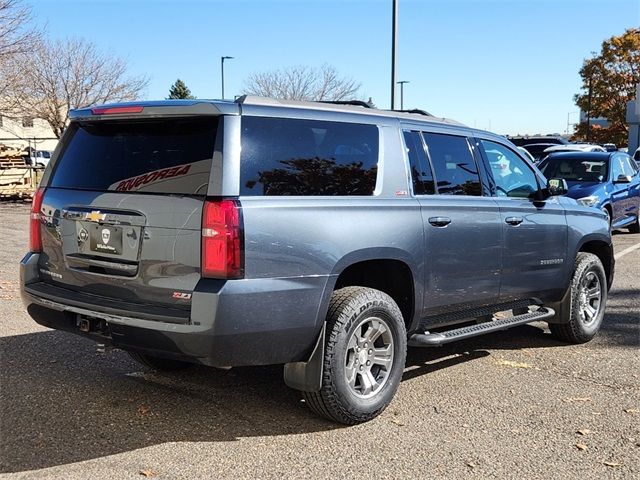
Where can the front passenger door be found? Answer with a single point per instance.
(534, 258)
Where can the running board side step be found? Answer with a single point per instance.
(436, 339)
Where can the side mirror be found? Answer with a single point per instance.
(557, 186)
(623, 179)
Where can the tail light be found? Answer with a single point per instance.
(222, 239)
(35, 237)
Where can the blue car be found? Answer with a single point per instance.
(606, 180)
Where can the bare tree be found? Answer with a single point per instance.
(302, 83)
(61, 75)
(17, 36)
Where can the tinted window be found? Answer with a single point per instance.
(511, 173)
(307, 157)
(162, 156)
(421, 175)
(455, 170)
(575, 169)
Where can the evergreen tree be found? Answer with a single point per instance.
(179, 90)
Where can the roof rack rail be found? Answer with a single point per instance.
(357, 103)
(415, 110)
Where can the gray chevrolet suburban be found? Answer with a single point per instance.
(325, 237)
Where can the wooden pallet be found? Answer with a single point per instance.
(12, 162)
(18, 182)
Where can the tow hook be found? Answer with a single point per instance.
(84, 325)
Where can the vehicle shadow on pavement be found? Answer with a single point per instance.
(619, 329)
(61, 402)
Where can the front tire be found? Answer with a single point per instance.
(588, 297)
(365, 351)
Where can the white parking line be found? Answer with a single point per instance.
(626, 250)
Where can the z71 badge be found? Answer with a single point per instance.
(181, 296)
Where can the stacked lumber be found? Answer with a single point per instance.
(11, 157)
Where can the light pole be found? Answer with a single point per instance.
(401, 83)
(589, 112)
(568, 121)
(222, 59)
(394, 41)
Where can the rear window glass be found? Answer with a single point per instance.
(155, 156)
(307, 157)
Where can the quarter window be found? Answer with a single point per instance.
(617, 167)
(455, 170)
(512, 175)
(282, 156)
(421, 175)
(627, 165)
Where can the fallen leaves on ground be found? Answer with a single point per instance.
(147, 473)
(397, 422)
(584, 431)
(612, 464)
(144, 409)
(509, 363)
(632, 410)
(581, 446)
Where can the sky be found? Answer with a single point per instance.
(506, 66)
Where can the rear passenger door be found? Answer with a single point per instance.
(534, 258)
(462, 227)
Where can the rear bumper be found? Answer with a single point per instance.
(231, 323)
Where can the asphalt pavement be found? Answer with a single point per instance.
(516, 404)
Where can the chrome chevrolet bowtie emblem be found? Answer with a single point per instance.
(95, 216)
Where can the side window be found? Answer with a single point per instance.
(455, 170)
(282, 156)
(617, 168)
(513, 176)
(421, 174)
(627, 165)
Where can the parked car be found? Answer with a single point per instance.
(39, 158)
(609, 147)
(606, 180)
(525, 153)
(324, 237)
(521, 141)
(537, 150)
(574, 147)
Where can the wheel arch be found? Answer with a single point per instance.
(603, 249)
(386, 269)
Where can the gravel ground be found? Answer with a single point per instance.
(516, 404)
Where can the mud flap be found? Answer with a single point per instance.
(307, 376)
(562, 309)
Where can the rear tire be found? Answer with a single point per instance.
(159, 364)
(635, 227)
(365, 351)
(588, 298)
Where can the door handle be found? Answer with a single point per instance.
(439, 221)
(514, 220)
